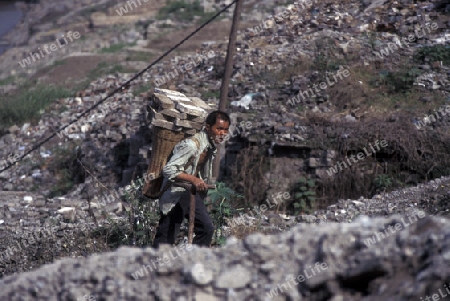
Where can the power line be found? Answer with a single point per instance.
(121, 86)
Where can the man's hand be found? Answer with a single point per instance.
(199, 184)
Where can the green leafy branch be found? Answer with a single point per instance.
(221, 208)
(304, 196)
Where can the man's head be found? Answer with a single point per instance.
(217, 125)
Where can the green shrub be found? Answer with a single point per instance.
(143, 217)
(371, 38)
(113, 48)
(29, 102)
(184, 11)
(304, 196)
(327, 58)
(324, 64)
(7, 81)
(210, 94)
(382, 182)
(433, 53)
(402, 81)
(102, 69)
(141, 88)
(380, 80)
(221, 208)
(139, 228)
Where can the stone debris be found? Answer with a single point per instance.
(198, 274)
(335, 261)
(433, 198)
(174, 111)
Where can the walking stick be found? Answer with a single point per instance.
(191, 216)
(191, 188)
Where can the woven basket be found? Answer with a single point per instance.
(162, 145)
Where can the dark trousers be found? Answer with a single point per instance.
(169, 225)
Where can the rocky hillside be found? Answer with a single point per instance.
(315, 84)
(278, 61)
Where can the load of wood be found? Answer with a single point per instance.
(174, 117)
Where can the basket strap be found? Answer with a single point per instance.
(196, 141)
(191, 159)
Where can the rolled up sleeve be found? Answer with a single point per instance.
(183, 151)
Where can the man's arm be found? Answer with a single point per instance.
(199, 184)
(174, 169)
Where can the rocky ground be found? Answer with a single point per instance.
(332, 262)
(82, 230)
(432, 197)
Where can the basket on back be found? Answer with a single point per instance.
(174, 117)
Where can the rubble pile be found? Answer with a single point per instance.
(432, 197)
(70, 218)
(342, 31)
(396, 258)
(96, 133)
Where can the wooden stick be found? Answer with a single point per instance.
(191, 218)
(191, 188)
(192, 213)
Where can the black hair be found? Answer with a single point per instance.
(213, 116)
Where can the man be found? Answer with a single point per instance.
(191, 161)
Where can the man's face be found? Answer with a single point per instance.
(218, 131)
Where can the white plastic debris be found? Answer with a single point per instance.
(284, 216)
(67, 212)
(36, 174)
(245, 101)
(45, 154)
